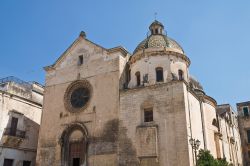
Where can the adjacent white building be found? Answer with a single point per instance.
(243, 109)
(227, 141)
(20, 115)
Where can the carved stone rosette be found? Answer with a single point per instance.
(71, 88)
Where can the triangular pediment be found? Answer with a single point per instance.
(78, 44)
(84, 46)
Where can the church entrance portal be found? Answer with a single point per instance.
(74, 146)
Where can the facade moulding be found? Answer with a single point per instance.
(164, 52)
(243, 104)
(203, 98)
(119, 49)
(18, 148)
(150, 86)
(91, 76)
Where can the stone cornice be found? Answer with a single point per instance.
(19, 148)
(164, 52)
(22, 99)
(119, 49)
(131, 90)
(204, 98)
(210, 100)
(247, 103)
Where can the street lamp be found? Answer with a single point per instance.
(195, 143)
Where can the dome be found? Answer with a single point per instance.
(158, 39)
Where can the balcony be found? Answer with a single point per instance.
(18, 133)
(12, 139)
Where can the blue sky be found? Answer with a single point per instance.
(214, 34)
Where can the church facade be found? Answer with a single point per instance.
(107, 107)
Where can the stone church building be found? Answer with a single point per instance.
(107, 107)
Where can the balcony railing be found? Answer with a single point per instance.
(18, 133)
(13, 79)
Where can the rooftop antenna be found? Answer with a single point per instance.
(155, 14)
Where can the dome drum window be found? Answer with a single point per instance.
(180, 74)
(245, 111)
(159, 74)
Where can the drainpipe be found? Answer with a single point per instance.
(189, 115)
(222, 139)
(228, 141)
(203, 122)
(232, 118)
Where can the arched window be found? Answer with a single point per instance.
(215, 123)
(159, 74)
(180, 74)
(156, 31)
(138, 78)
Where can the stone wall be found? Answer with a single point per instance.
(165, 139)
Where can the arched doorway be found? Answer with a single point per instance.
(74, 145)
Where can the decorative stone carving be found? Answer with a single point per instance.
(146, 141)
(77, 96)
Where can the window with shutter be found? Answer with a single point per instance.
(245, 111)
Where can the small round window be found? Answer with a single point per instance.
(77, 96)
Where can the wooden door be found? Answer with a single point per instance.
(77, 153)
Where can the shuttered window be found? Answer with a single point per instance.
(245, 111)
(148, 115)
(248, 136)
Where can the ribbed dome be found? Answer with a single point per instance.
(158, 39)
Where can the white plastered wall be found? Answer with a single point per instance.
(147, 65)
(29, 115)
